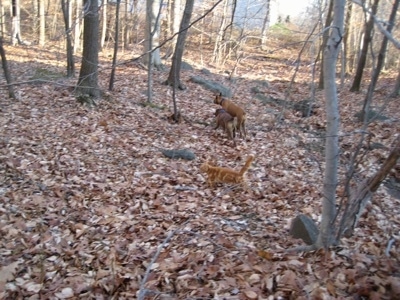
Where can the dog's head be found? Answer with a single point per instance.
(218, 98)
(219, 111)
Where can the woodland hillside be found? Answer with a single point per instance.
(90, 207)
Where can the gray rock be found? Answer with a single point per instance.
(179, 153)
(186, 66)
(303, 227)
(206, 71)
(213, 86)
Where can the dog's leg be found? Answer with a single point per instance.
(240, 124)
(244, 128)
(216, 127)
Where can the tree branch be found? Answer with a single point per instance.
(379, 23)
(173, 36)
(364, 192)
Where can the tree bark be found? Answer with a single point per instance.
(88, 77)
(265, 25)
(77, 26)
(219, 45)
(174, 78)
(103, 24)
(2, 20)
(15, 19)
(126, 30)
(116, 45)
(369, 26)
(173, 26)
(6, 70)
(326, 235)
(42, 23)
(153, 12)
(325, 38)
(396, 90)
(65, 7)
(346, 46)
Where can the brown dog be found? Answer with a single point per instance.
(234, 111)
(227, 122)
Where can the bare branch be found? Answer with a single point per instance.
(380, 24)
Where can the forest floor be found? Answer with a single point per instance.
(91, 208)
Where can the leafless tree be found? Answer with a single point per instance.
(368, 33)
(265, 25)
(152, 32)
(65, 7)
(42, 22)
(116, 45)
(326, 236)
(16, 24)
(380, 62)
(88, 76)
(6, 70)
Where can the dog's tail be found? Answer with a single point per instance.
(247, 165)
(235, 122)
(234, 126)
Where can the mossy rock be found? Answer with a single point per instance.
(213, 86)
(371, 116)
(46, 74)
(86, 99)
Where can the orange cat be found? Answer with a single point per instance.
(225, 175)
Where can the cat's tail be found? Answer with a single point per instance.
(247, 165)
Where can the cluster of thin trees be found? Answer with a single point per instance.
(369, 38)
(360, 33)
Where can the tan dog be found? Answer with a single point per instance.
(234, 111)
(227, 122)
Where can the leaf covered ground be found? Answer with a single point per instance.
(91, 209)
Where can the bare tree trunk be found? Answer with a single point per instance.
(7, 73)
(219, 46)
(42, 24)
(369, 26)
(114, 63)
(77, 25)
(174, 78)
(325, 38)
(135, 25)
(396, 90)
(347, 36)
(265, 25)
(65, 6)
(153, 12)
(126, 28)
(88, 77)
(15, 19)
(364, 192)
(380, 63)
(103, 24)
(326, 235)
(53, 32)
(175, 17)
(152, 35)
(35, 17)
(2, 20)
